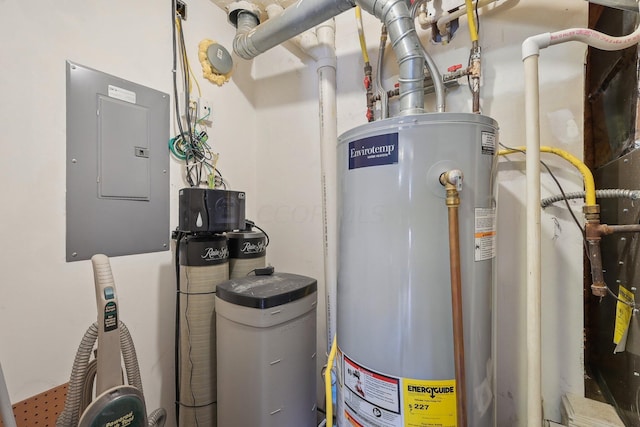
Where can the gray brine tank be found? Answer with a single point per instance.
(266, 332)
(394, 322)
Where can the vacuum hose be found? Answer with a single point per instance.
(70, 416)
(73, 406)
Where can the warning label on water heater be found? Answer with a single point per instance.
(485, 234)
(372, 399)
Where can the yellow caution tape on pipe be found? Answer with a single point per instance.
(589, 184)
(473, 32)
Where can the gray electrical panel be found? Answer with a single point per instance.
(117, 166)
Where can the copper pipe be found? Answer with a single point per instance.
(452, 182)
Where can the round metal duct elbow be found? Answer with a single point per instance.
(253, 39)
(246, 22)
(396, 16)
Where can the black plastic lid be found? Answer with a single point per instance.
(266, 291)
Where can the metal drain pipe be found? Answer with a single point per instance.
(253, 38)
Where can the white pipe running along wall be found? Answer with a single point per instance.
(530, 54)
(325, 56)
(446, 17)
(320, 44)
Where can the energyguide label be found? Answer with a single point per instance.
(376, 399)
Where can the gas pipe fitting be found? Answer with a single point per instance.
(594, 232)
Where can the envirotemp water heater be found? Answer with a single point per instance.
(394, 316)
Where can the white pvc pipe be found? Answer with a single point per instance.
(534, 334)
(319, 43)
(530, 54)
(328, 159)
(6, 411)
(462, 10)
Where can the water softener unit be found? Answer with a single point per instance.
(394, 321)
(204, 263)
(247, 251)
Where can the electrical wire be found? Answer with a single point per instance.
(575, 219)
(562, 192)
(190, 145)
(190, 347)
(179, 236)
(477, 18)
(188, 65)
(630, 304)
(253, 224)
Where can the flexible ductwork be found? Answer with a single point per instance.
(251, 40)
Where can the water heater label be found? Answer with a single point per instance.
(370, 398)
(429, 403)
(488, 143)
(373, 151)
(485, 234)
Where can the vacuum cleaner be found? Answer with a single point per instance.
(116, 404)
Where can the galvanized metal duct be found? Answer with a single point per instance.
(406, 45)
(253, 38)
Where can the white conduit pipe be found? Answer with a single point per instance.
(6, 411)
(319, 44)
(530, 54)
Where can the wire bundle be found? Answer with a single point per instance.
(191, 144)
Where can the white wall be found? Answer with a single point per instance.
(266, 128)
(288, 123)
(46, 304)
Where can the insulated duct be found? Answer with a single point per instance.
(252, 39)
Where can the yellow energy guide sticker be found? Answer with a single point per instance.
(429, 403)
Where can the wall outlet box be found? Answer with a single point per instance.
(204, 110)
(181, 9)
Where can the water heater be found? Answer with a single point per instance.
(394, 321)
